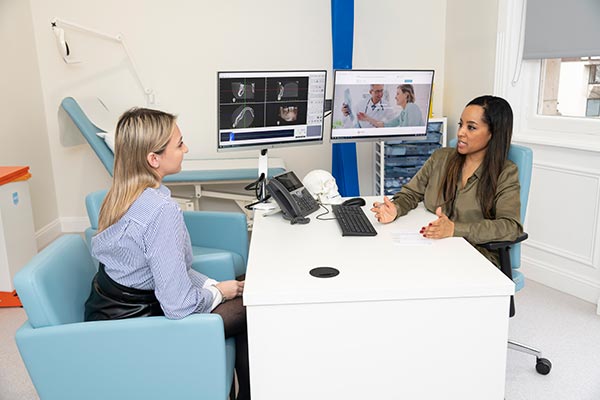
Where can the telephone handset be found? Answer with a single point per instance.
(292, 197)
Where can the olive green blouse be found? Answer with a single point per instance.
(467, 216)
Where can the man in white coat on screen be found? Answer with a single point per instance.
(372, 107)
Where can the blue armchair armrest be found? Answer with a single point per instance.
(219, 266)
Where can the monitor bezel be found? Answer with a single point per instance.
(289, 143)
(375, 138)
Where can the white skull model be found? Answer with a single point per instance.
(322, 186)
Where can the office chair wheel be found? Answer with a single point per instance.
(543, 366)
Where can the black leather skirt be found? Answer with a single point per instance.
(111, 300)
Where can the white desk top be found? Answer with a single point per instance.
(371, 268)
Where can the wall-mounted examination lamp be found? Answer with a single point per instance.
(66, 52)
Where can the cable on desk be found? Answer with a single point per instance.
(325, 213)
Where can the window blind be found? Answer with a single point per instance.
(559, 28)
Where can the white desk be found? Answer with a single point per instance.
(398, 322)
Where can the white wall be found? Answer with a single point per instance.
(470, 55)
(23, 133)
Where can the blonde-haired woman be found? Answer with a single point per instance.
(143, 246)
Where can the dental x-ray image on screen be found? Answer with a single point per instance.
(267, 109)
(243, 90)
(381, 104)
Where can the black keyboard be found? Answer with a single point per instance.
(353, 221)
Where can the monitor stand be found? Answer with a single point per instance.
(263, 173)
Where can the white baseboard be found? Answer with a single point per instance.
(50, 232)
(574, 285)
(47, 234)
(74, 224)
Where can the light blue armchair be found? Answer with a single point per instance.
(138, 358)
(214, 235)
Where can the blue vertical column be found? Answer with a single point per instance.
(344, 167)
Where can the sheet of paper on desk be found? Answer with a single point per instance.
(409, 238)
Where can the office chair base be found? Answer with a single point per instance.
(542, 365)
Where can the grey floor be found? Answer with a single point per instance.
(565, 328)
(567, 331)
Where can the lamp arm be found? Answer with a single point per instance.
(147, 91)
(67, 24)
(119, 38)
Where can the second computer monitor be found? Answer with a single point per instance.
(381, 104)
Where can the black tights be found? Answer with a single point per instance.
(233, 313)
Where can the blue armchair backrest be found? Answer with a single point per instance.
(211, 232)
(55, 284)
(93, 202)
(523, 157)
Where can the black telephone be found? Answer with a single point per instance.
(292, 197)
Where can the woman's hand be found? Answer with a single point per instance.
(230, 289)
(385, 212)
(440, 228)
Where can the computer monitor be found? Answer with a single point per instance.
(381, 104)
(270, 109)
(267, 109)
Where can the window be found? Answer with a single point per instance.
(547, 111)
(570, 87)
(593, 108)
(594, 74)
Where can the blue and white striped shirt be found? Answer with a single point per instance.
(149, 248)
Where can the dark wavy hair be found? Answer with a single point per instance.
(498, 116)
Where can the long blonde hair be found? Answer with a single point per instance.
(140, 131)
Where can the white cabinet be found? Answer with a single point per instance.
(17, 235)
(396, 162)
